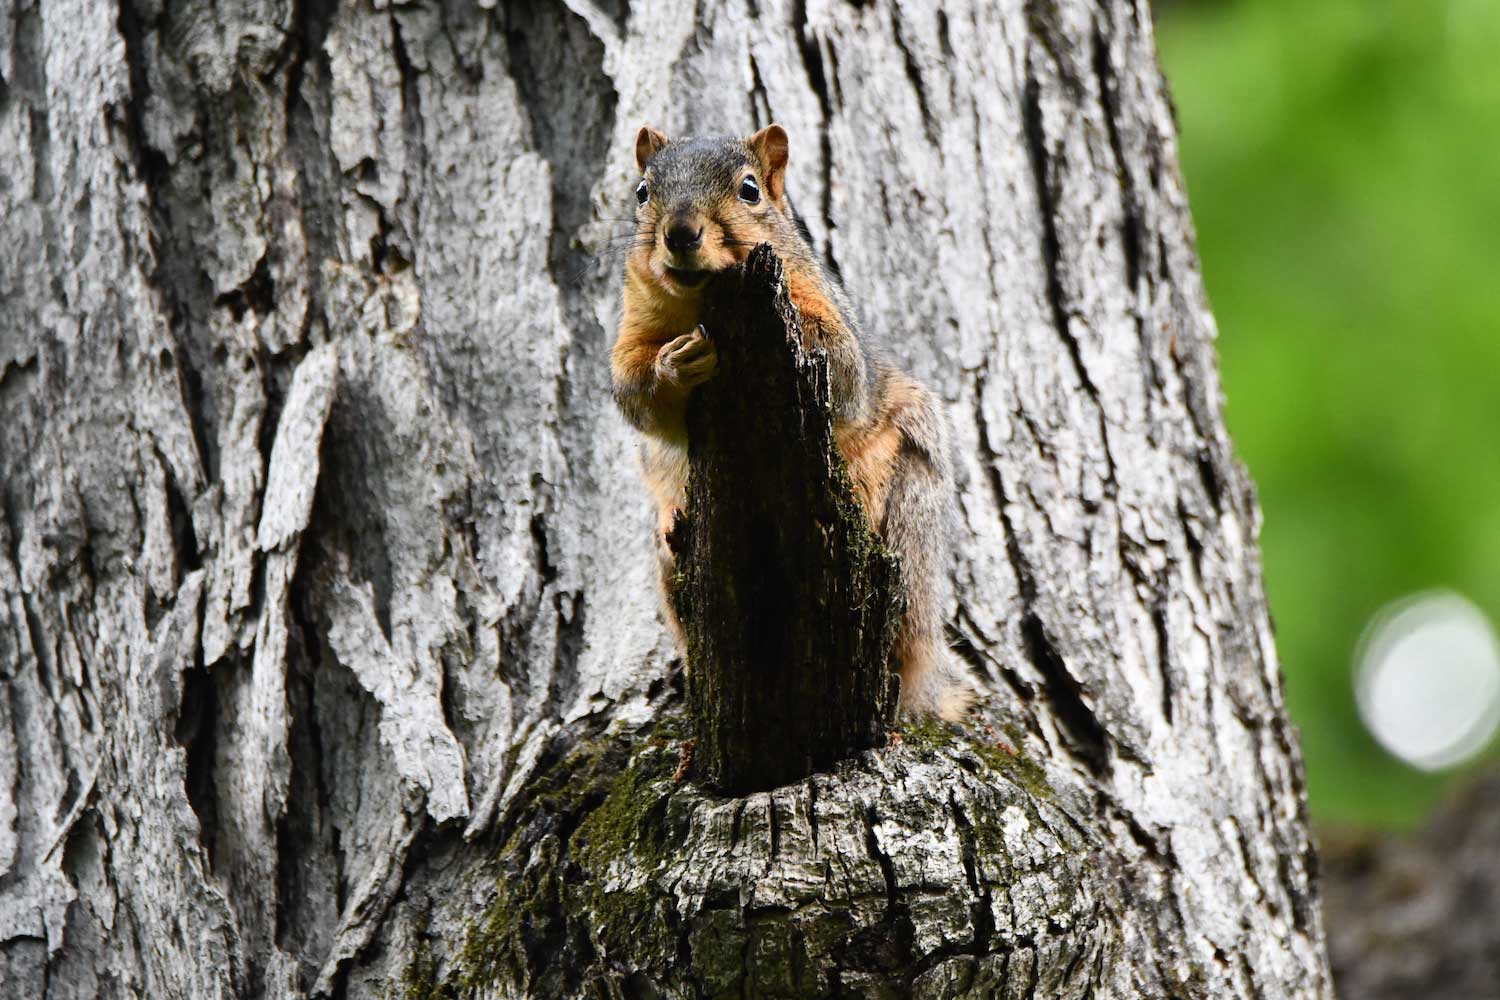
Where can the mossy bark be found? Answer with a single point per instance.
(789, 602)
(621, 881)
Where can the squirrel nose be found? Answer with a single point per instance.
(682, 237)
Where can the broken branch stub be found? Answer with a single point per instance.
(789, 603)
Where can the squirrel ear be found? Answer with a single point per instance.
(647, 142)
(770, 145)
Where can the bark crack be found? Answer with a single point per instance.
(914, 77)
(887, 869)
(1132, 228)
(1088, 738)
(1044, 184)
(824, 89)
(980, 910)
(1164, 659)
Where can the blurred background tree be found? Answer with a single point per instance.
(1344, 162)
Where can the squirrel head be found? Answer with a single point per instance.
(703, 203)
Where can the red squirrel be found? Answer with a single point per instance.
(702, 204)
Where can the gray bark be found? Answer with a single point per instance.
(327, 613)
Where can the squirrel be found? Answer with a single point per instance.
(702, 204)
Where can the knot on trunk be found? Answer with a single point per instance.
(789, 602)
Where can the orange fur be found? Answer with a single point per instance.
(650, 321)
(870, 453)
(806, 292)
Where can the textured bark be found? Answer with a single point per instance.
(788, 601)
(327, 612)
(1412, 918)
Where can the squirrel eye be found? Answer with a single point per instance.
(642, 192)
(749, 191)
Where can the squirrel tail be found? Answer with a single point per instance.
(918, 518)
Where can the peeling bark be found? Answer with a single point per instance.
(327, 626)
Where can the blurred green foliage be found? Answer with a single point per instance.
(1343, 158)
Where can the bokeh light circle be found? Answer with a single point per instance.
(1427, 679)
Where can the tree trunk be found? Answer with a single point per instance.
(788, 601)
(328, 624)
(1414, 917)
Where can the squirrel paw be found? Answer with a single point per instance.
(687, 361)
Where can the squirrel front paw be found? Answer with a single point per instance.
(687, 361)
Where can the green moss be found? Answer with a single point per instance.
(620, 844)
(929, 734)
(528, 893)
(939, 740)
(617, 803)
(670, 729)
(620, 823)
(494, 950)
(419, 980)
(935, 737)
(582, 779)
(1019, 768)
(717, 950)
